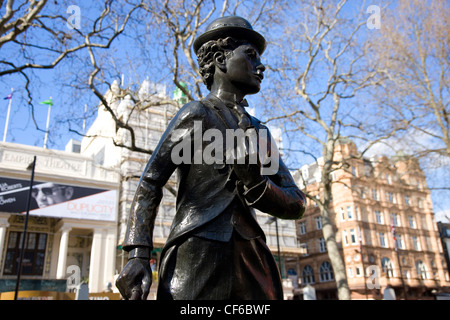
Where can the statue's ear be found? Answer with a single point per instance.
(219, 60)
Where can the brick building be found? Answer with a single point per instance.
(370, 199)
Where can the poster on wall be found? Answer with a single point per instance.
(57, 200)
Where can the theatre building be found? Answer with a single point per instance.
(72, 226)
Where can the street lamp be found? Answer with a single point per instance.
(31, 167)
(270, 221)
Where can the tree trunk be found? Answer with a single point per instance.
(329, 234)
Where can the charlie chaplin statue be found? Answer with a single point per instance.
(216, 248)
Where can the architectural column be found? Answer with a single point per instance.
(96, 267)
(109, 261)
(3, 225)
(62, 257)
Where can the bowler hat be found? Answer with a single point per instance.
(232, 26)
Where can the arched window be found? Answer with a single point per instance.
(421, 270)
(308, 275)
(326, 272)
(387, 267)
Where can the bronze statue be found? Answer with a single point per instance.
(216, 248)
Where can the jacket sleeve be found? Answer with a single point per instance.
(157, 172)
(277, 194)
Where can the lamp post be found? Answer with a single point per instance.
(22, 251)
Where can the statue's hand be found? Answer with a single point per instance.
(135, 279)
(249, 174)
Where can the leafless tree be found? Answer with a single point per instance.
(40, 35)
(325, 74)
(412, 46)
(177, 24)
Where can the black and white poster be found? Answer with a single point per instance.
(57, 200)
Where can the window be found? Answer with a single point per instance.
(390, 197)
(382, 239)
(349, 213)
(353, 171)
(302, 227)
(379, 217)
(308, 275)
(399, 241)
(304, 248)
(433, 223)
(416, 243)
(326, 272)
(353, 235)
(388, 178)
(358, 272)
(318, 222)
(344, 237)
(407, 201)
(421, 270)
(374, 194)
(395, 219)
(34, 254)
(350, 272)
(322, 245)
(387, 267)
(412, 222)
(420, 203)
(342, 214)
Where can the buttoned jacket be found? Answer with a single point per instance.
(204, 190)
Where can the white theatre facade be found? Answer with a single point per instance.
(72, 225)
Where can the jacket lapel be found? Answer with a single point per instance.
(223, 111)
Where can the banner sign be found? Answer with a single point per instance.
(58, 200)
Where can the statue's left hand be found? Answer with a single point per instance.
(135, 279)
(249, 174)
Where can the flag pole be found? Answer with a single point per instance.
(48, 122)
(7, 116)
(84, 120)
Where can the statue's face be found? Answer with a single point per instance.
(244, 69)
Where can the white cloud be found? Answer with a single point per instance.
(443, 216)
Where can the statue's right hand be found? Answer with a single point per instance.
(135, 279)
